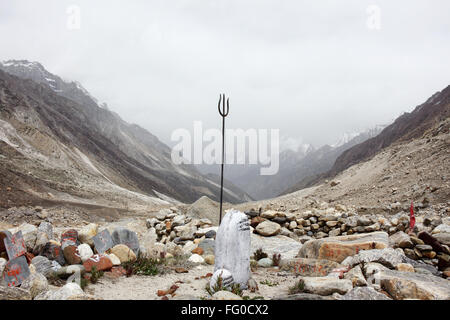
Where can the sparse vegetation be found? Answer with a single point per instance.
(259, 254)
(269, 283)
(142, 266)
(299, 287)
(235, 287)
(95, 275)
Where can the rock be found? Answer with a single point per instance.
(70, 236)
(53, 252)
(270, 214)
(268, 228)
(225, 276)
(424, 247)
(287, 247)
(334, 232)
(265, 263)
(443, 237)
(356, 276)
(85, 251)
(71, 255)
(44, 266)
(29, 233)
(388, 257)
(232, 250)
(401, 240)
(363, 221)
(308, 267)
(410, 285)
(101, 262)
(405, 267)
(41, 240)
(225, 295)
(14, 293)
(124, 253)
(35, 284)
(198, 251)
(327, 285)
(196, 259)
(67, 292)
(2, 264)
(150, 223)
(178, 221)
(46, 228)
(88, 232)
(445, 228)
(124, 236)
(114, 259)
(338, 248)
(187, 233)
(364, 293)
(209, 259)
(302, 296)
(432, 241)
(211, 234)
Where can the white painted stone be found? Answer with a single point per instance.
(232, 247)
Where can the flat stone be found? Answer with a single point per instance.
(388, 257)
(71, 255)
(339, 248)
(309, 267)
(287, 247)
(410, 285)
(327, 285)
(265, 262)
(364, 293)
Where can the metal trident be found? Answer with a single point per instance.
(223, 113)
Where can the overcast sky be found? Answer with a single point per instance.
(313, 69)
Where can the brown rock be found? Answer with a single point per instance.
(256, 220)
(101, 262)
(339, 248)
(198, 251)
(309, 267)
(71, 255)
(406, 267)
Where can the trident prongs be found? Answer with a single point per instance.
(222, 112)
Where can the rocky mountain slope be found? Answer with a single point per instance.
(405, 128)
(301, 165)
(58, 143)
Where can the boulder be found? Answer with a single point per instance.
(53, 252)
(124, 253)
(29, 234)
(44, 266)
(268, 228)
(36, 283)
(127, 237)
(364, 293)
(356, 276)
(71, 255)
(410, 285)
(339, 248)
(326, 285)
(443, 238)
(67, 292)
(14, 293)
(401, 240)
(388, 257)
(308, 267)
(441, 228)
(285, 246)
(88, 232)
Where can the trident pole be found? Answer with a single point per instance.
(223, 112)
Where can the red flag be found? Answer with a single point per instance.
(412, 219)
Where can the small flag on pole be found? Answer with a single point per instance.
(412, 219)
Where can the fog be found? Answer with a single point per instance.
(313, 69)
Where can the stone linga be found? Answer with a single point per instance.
(339, 248)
